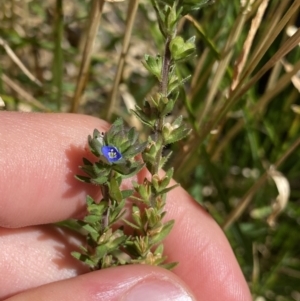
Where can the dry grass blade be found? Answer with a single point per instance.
(281, 201)
(276, 26)
(18, 62)
(296, 78)
(131, 13)
(2, 103)
(289, 45)
(246, 199)
(23, 94)
(94, 21)
(241, 61)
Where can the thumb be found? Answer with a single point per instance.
(126, 283)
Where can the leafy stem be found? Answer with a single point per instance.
(165, 70)
(116, 152)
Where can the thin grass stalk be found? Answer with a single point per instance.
(197, 73)
(256, 269)
(23, 94)
(257, 110)
(18, 62)
(58, 54)
(94, 22)
(237, 94)
(185, 165)
(276, 28)
(223, 64)
(241, 61)
(210, 44)
(131, 14)
(289, 45)
(248, 196)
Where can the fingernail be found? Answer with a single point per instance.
(154, 290)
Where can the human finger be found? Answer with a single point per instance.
(196, 241)
(127, 283)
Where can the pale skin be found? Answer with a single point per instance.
(39, 155)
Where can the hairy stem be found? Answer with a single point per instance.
(164, 83)
(165, 68)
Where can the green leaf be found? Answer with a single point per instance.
(83, 179)
(99, 180)
(87, 162)
(95, 146)
(171, 18)
(159, 249)
(132, 225)
(177, 122)
(84, 258)
(126, 193)
(129, 171)
(177, 135)
(88, 170)
(166, 229)
(167, 178)
(168, 108)
(173, 85)
(165, 159)
(169, 266)
(92, 219)
(101, 170)
(135, 150)
(153, 65)
(115, 191)
(141, 116)
(168, 189)
(117, 212)
(136, 215)
(100, 251)
(180, 49)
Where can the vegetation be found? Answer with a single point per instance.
(241, 160)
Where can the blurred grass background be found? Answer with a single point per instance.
(242, 161)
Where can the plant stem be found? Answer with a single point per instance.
(165, 68)
(164, 83)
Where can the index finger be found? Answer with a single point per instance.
(38, 159)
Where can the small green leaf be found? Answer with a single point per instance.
(87, 162)
(167, 178)
(132, 225)
(177, 135)
(173, 85)
(165, 159)
(166, 229)
(169, 266)
(126, 193)
(84, 258)
(83, 179)
(143, 117)
(135, 150)
(164, 191)
(92, 219)
(171, 18)
(115, 191)
(99, 181)
(153, 65)
(88, 170)
(180, 49)
(168, 108)
(177, 122)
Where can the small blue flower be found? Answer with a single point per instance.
(111, 153)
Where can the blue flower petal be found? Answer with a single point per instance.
(111, 153)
